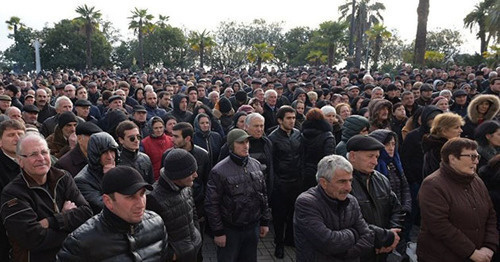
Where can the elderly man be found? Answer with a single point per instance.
(14, 113)
(76, 159)
(236, 202)
(328, 222)
(124, 230)
(5, 102)
(129, 139)
(379, 205)
(102, 154)
(172, 199)
(10, 132)
(64, 137)
(63, 104)
(270, 110)
(41, 205)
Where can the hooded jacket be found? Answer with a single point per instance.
(90, 178)
(181, 116)
(352, 126)
(209, 140)
(472, 119)
(317, 141)
(374, 107)
(57, 143)
(412, 156)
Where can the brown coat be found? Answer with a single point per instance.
(457, 217)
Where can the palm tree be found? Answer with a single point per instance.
(89, 19)
(366, 14)
(142, 25)
(317, 57)
(14, 24)
(332, 35)
(260, 53)
(421, 38)
(201, 42)
(480, 16)
(376, 34)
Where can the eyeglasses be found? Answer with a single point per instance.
(132, 138)
(36, 154)
(473, 157)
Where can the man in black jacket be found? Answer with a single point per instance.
(328, 222)
(129, 138)
(379, 205)
(287, 182)
(41, 205)
(124, 230)
(172, 199)
(236, 202)
(10, 132)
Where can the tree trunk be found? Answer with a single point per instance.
(202, 50)
(359, 38)
(141, 48)
(330, 55)
(88, 33)
(421, 38)
(484, 44)
(376, 51)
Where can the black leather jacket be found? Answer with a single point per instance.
(286, 155)
(139, 161)
(106, 237)
(176, 207)
(236, 195)
(379, 205)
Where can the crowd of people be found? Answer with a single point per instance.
(343, 164)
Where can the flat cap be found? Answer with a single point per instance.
(363, 143)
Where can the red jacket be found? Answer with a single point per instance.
(154, 148)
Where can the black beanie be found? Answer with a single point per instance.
(241, 96)
(225, 105)
(179, 164)
(65, 118)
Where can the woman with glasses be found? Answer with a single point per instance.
(458, 218)
(443, 128)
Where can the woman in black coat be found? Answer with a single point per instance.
(317, 142)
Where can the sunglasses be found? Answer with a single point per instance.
(132, 138)
(473, 157)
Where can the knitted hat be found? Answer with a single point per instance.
(363, 143)
(225, 105)
(179, 164)
(241, 96)
(124, 180)
(65, 118)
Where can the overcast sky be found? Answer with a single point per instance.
(199, 15)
